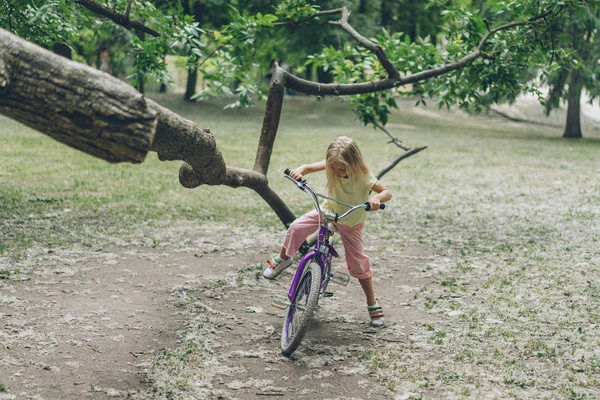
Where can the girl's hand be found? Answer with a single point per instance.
(296, 173)
(375, 203)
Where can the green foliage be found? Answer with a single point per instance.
(233, 63)
(295, 10)
(233, 51)
(512, 58)
(577, 38)
(53, 21)
(65, 21)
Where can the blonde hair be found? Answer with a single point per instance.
(345, 150)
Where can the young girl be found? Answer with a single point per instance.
(349, 180)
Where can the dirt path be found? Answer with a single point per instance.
(112, 323)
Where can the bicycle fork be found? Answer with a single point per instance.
(323, 257)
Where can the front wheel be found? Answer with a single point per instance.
(302, 308)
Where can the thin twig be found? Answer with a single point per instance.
(510, 25)
(128, 9)
(394, 140)
(213, 52)
(122, 20)
(361, 40)
(368, 44)
(312, 16)
(399, 158)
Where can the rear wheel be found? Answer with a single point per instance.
(302, 308)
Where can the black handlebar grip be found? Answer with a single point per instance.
(288, 171)
(368, 206)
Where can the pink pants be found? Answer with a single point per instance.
(352, 238)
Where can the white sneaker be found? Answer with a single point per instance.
(276, 267)
(376, 314)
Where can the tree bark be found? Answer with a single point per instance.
(180, 139)
(270, 121)
(77, 105)
(573, 126)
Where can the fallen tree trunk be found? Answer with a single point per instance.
(96, 113)
(74, 104)
(102, 116)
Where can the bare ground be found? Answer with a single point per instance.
(513, 317)
(107, 323)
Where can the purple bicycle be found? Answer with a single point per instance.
(313, 273)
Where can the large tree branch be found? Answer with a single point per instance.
(105, 117)
(72, 103)
(336, 89)
(97, 113)
(122, 20)
(270, 121)
(368, 44)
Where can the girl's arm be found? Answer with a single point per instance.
(307, 169)
(383, 195)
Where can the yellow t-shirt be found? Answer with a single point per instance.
(350, 191)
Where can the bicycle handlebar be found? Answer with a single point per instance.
(302, 185)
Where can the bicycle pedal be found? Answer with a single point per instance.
(280, 302)
(328, 294)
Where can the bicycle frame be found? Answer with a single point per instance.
(322, 253)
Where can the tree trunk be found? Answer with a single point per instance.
(192, 80)
(141, 81)
(386, 15)
(324, 76)
(573, 127)
(413, 30)
(63, 49)
(190, 89)
(163, 86)
(362, 7)
(77, 105)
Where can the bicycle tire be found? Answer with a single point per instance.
(294, 329)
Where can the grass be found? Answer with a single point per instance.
(512, 210)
